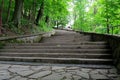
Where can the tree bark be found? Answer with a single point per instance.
(8, 12)
(0, 21)
(108, 28)
(47, 20)
(1, 7)
(95, 10)
(17, 12)
(107, 18)
(40, 13)
(33, 11)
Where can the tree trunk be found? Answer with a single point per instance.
(1, 7)
(8, 12)
(30, 14)
(108, 29)
(107, 18)
(33, 11)
(47, 20)
(17, 12)
(57, 24)
(0, 21)
(40, 13)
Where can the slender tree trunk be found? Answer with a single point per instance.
(107, 25)
(108, 28)
(29, 16)
(95, 10)
(40, 13)
(8, 12)
(0, 21)
(1, 7)
(33, 11)
(57, 24)
(107, 19)
(17, 12)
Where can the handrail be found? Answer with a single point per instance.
(21, 36)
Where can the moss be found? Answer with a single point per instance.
(116, 53)
(15, 41)
(38, 39)
(118, 68)
(2, 44)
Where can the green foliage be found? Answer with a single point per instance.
(56, 10)
(100, 16)
(42, 27)
(97, 15)
(14, 41)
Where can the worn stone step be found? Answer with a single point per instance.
(68, 34)
(68, 37)
(65, 39)
(73, 34)
(59, 55)
(58, 50)
(62, 40)
(57, 60)
(91, 66)
(64, 47)
(58, 47)
(53, 43)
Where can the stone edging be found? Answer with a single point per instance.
(113, 41)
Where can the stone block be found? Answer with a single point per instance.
(40, 74)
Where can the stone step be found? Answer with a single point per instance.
(59, 55)
(53, 43)
(74, 34)
(65, 38)
(91, 66)
(62, 40)
(57, 50)
(59, 47)
(68, 34)
(57, 60)
(64, 47)
(68, 37)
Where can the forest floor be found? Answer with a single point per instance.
(24, 30)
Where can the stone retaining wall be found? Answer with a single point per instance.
(34, 38)
(114, 42)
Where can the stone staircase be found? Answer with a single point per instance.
(65, 47)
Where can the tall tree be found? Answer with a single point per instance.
(8, 12)
(1, 7)
(97, 15)
(17, 12)
(40, 13)
(79, 10)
